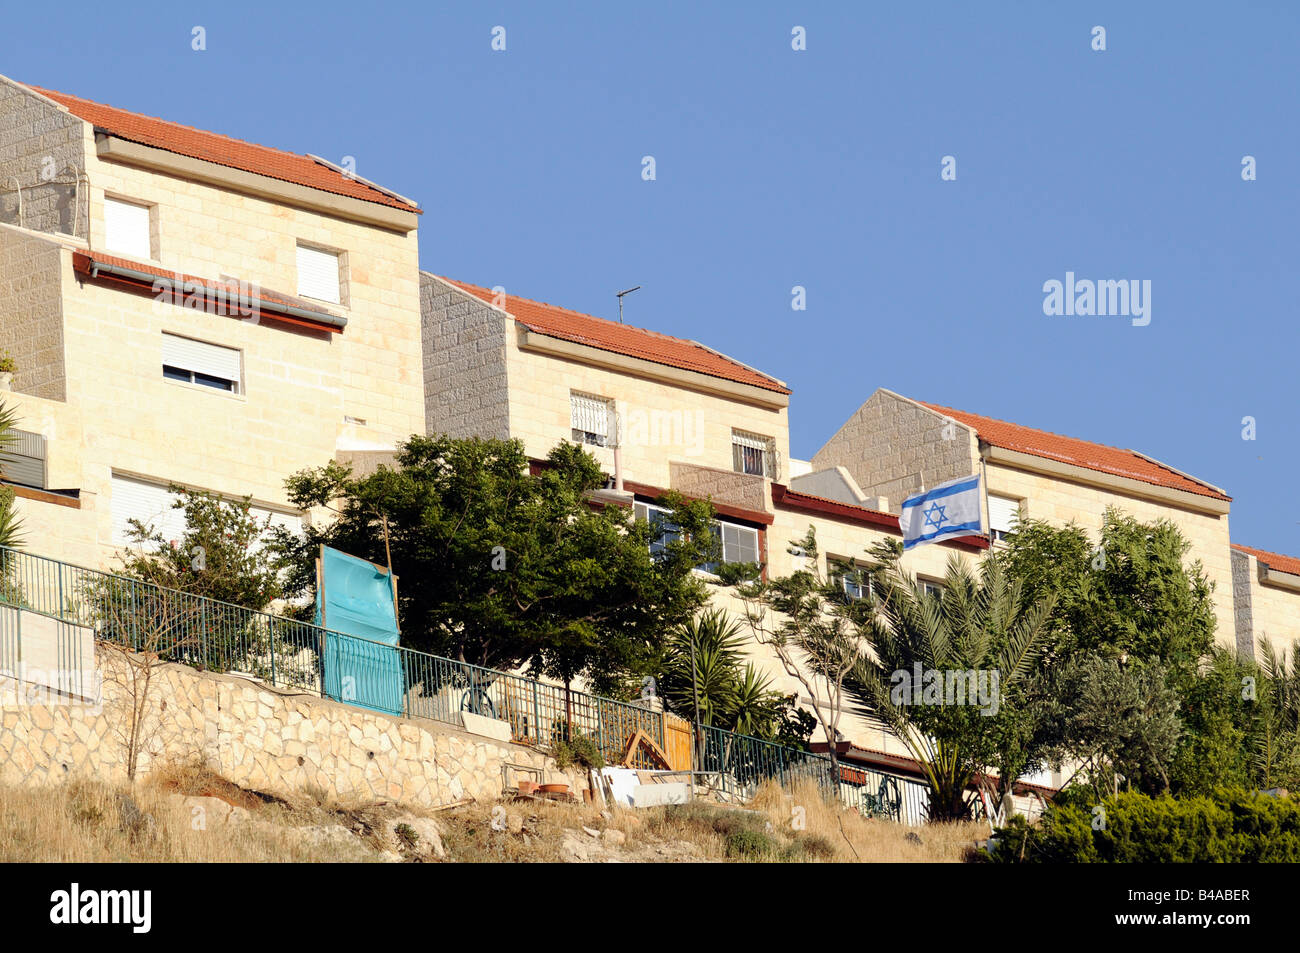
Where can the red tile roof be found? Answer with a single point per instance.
(222, 292)
(1273, 561)
(785, 498)
(1092, 456)
(608, 335)
(222, 150)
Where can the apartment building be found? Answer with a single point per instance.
(660, 413)
(894, 445)
(188, 308)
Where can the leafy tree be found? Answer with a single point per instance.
(226, 553)
(1119, 722)
(502, 568)
(1132, 596)
(982, 625)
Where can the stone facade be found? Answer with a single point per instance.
(42, 151)
(465, 385)
(893, 446)
(260, 738)
(31, 312)
(722, 486)
(1267, 607)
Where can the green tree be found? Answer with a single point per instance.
(1131, 596)
(500, 567)
(225, 553)
(1119, 722)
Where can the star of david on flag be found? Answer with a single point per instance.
(950, 509)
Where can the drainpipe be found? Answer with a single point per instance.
(618, 450)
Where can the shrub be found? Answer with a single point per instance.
(407, 835)
(580, 749)
(1231, 826)
(750, 845)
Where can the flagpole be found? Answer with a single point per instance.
(988, 514)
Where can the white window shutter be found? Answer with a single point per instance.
(318, 274)
(126, 228)
(150, 503)
(1003, 513)
(589, 414)
(201, 357)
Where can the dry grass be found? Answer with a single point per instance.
(87, 821)
(765, 831)
(856, 838)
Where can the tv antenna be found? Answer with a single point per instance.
(619, 296)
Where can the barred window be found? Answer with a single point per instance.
(589, 417)
(752, 453)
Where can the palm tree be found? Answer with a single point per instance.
(10, 524)
(978, 624)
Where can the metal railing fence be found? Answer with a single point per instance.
(216, 636)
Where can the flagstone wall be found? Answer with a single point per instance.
(258, 737)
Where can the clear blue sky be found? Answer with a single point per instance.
(818, 168)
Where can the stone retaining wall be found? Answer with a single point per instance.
(256, 736)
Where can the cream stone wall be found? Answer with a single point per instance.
(306, 395)
(374, 367)
(31, 311)
(261, 738)
(57, 528)
(662, 421)
(1264, 610)
(1060, 501)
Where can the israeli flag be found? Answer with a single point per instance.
(950, 509)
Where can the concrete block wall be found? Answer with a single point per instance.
(42, 148)
(31, 311)
(464, 347)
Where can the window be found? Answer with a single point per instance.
(589, 417)
(752, 453)
(854, 580)
(126, 228)
(1003, 514)
(739, 543)
(151, 503)
(23, 461)
(929, 588)
(318, 274)
(196, 362)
